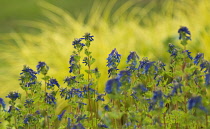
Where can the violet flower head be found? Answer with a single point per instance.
(28, 103)
(2, 103)
(52, 83)
(80, 104)
(102, 126)
(100, 97)
(113, 86)
(13, 96)
(172, 50)
(132, 60)
(50, 98)
(196, 102)
(198, 58)
(69, 123)
(78, 126)
(188, 54)
(28, 73)
(70, 80)
(61, 115)
(42, 68)
(87, 36)
(207, 79)
(184, 33)
(107, 108)
(113, 61)
(77, 45)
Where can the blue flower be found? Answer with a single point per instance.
(132, 60)
(125, 77)
(50, 98)
(2, 103)
(82, 117)
(78, 126)
(207, 79)
(28, 103)
(29, 119)
(52, 82)
(106, 108)
(42, 67)
(70, 80)
(157, 97)
(188, 54)
(100, 97)
(102, 126)
(27, 72)
(198, 58)
(140, 88)
(88, 37)
(113, 61)
(13, 96)
(177, 86)
(182, 33)
(77, 45)
(196, 102)
(81, 104)
(112, 86)
(74, 59)
(69, 123)
(61, 115)
(172, 50)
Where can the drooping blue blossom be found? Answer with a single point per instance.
(2, 103)
(71, 93)
(80, 104)
(28, 103)
(102, 126)
(132, 60)
(198, 58)
(13, 96)
(183, 32)
(63, 92)
(42, 68)
(176, 88)
(28, 73)
(87, 36)
(78, 126)
(29, 119)
(107, 108)
(134, 95)
(157, 97)
(172, 50)
(77, 45)
(100, 97)
(74, 59)
(113, 86)
(87, 89)
(140, 88)
(113, 61)
(52, 82)
(207, 79)
(50, 98)
(196, 102)
(69, 123)
(81, 117)
(145, 65)
(188, 54)
(125, 78)
(29, 84)
(70, 80)
(61, 115)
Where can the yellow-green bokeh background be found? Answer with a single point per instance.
(39, 30)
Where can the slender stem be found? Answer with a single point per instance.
(206, 121)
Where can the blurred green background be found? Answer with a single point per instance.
(38, 30)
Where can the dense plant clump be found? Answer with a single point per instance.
(145, 94)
